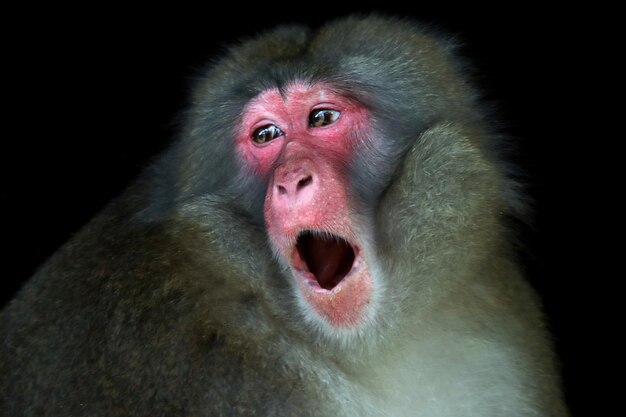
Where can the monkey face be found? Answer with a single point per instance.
(302, 142)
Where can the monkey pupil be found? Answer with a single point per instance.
(266, 133)
(319, 118)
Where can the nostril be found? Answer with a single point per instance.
(291, 185)
(304, 182)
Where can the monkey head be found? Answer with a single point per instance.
(305, 134)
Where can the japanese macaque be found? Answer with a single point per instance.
(326, 237)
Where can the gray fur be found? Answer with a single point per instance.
(170, 302)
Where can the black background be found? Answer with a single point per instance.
(93, 95)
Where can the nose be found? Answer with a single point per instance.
(294, 184)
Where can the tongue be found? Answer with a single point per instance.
(328, 259)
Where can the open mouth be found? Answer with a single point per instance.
(327, 257)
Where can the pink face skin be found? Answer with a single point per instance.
(307, 187)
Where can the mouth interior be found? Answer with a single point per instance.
(329, 258)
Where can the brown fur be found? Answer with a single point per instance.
(170, 302)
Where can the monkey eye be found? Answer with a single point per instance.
(266, 133)
(323, 117)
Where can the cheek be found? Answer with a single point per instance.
(258, 159)
(344, 137)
